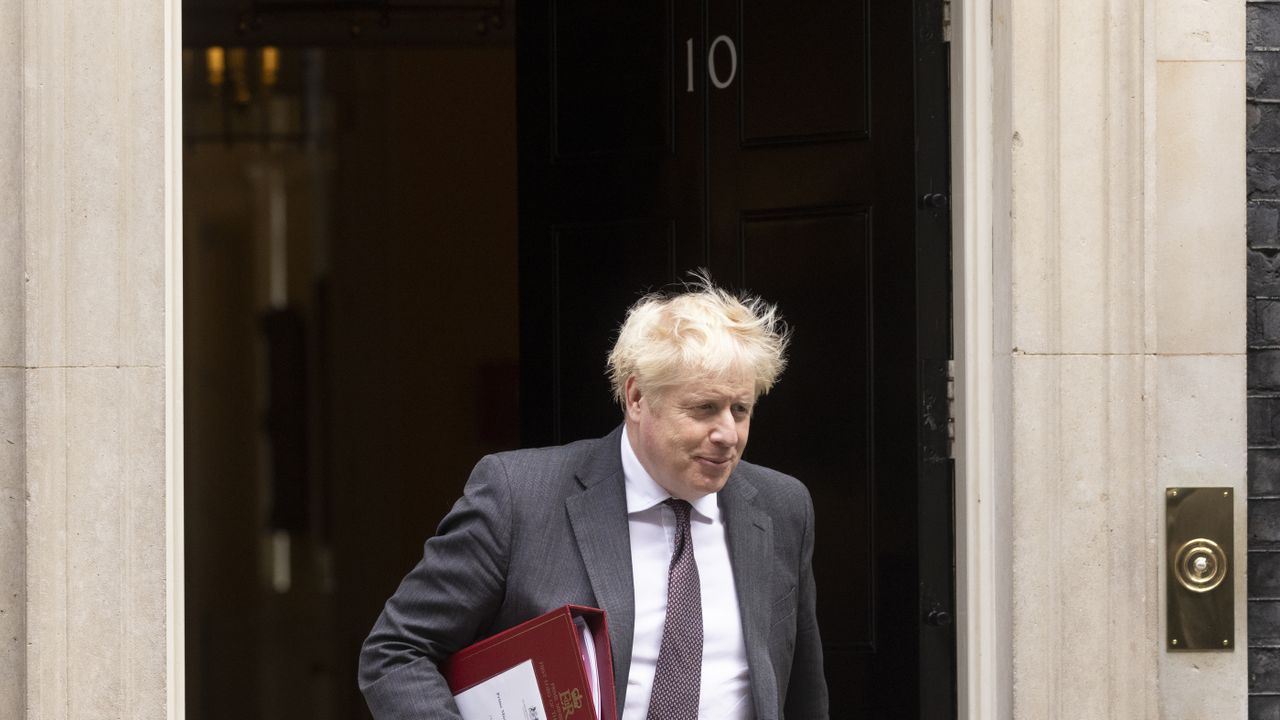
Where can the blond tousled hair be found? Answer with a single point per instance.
(701, 332)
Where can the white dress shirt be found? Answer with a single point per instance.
(726, 690)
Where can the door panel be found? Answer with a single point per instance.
(789, 166)
(803, 80)
(801, 143)
(826, 394)
(610, 195)
(612, 91)
(599, 268)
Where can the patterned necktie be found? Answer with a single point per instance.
(678, 677)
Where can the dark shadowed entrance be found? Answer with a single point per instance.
(798, 150)
(364, 320)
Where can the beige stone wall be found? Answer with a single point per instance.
(1124, 125)
(1199, 325)
(13, 594)
(82, 360)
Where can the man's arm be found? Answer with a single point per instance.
(442, 604)
(807, 688)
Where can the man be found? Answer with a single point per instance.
(702, 561)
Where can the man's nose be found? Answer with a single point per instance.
(725, 430)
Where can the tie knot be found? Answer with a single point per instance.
(681, 508)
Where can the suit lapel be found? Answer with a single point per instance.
(750, 536)
(598, 516)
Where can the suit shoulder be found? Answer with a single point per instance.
(539, 471)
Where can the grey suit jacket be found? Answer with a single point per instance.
(536, 529)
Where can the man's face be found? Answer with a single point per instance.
(691, 437)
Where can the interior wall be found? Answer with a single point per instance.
(424, 318)
(223, 522)
(398, 219)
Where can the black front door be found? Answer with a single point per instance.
(798, 150)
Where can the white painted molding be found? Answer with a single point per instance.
(983, 652)
(175, 617)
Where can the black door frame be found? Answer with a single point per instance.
(934, 351)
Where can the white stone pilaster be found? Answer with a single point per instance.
(84, 370)
(1085, 602)
(13, 522)
(1124, 124)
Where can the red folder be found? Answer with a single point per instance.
(554, 644)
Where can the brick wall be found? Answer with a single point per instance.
(1263, 88)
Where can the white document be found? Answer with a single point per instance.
(509, 695)
(589, 662)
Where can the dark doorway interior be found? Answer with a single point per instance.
(351, 329)
(362, 323)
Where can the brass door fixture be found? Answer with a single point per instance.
(1199, 547)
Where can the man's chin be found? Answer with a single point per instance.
(709, 483)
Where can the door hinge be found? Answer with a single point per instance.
(946, 21)
(951, 409)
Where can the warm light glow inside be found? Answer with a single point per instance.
(270, 57)
(215, 60)
(238, 62)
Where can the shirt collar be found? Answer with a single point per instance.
(643, 492)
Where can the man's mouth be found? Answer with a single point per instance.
(713, 460)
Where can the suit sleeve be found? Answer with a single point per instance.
(442, 604)
(807, 687)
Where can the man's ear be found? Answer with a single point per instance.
(631, 390)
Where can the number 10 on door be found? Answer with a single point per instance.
(713, 72)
